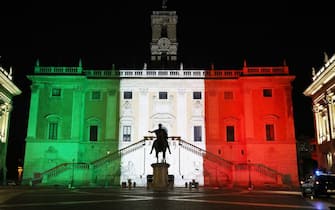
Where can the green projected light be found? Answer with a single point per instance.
(73, 122)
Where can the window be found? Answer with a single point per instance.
(163, 95)
(267, 92)
(93, 133)
(230, 133)
(96, 95)
(197, 95)
(53, 129)
(93, 126)
(270, 133)
(55, 92)
(127, 95)
(164, 32)
(126, 133)
(228, 95)
(197, 133)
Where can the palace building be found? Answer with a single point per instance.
(226, 127)
(7, 91)
(321, 91)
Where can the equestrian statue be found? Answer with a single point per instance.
(161, 143)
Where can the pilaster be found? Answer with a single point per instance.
(33, 111)
(181, 113)
(111, 112)
(77, 110)
(143, 113)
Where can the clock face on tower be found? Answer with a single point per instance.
(164, 43)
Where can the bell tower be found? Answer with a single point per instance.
(164, 36)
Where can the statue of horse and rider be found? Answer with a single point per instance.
(161, 143)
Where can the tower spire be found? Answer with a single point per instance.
(164, 4)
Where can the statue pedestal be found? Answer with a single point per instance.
(160, 180)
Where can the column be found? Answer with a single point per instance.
(5, 111)
(330, 114)
(6, 114)
(317, 122)
(2, 123)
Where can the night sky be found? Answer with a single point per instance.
(104, 33)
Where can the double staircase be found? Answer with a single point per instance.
(231, 171)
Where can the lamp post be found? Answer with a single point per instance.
(249, 169)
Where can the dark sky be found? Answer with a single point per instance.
(225, 33)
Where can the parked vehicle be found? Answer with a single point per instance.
(319, 184)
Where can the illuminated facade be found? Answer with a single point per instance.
(245, 125)
(73, 121)
(322, 94)
(178, 104)
(7, 91)
(90, 127)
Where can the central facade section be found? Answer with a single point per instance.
(178, 105)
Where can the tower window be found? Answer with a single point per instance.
(197, 133)
(126, 133)
(127, 95)
(197, 95)
(93, 133)
(163, 95)
(270, 132)
(230, 133)
(267, 92)
(164, 31)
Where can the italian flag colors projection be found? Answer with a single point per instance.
(225, 127)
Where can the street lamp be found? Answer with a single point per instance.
(249, 169)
